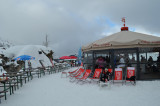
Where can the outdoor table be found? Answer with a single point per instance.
(51, 69)
(4, 82)
(29, 74)
(18, 77)
(39, 73)
(5, 89)
(40, 70)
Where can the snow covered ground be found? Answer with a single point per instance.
(52, 90)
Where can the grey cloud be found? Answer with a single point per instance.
(71, 23)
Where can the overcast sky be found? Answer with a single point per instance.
(70, 24)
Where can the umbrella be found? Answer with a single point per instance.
(73, 57)
(65, 57)
(24, 57)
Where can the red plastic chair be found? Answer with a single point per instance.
(130, 75)
(118, 75)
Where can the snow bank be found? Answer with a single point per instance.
(32, 50)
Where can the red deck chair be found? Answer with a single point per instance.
(85, 76)
(75, 73)
(130, 75)
(96, 75)
(110, 70)
(118, 75)
(70, 73)
(78, 75)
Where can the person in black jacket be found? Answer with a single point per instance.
(104, 75)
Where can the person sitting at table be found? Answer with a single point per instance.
(100, 62)
(105, 75)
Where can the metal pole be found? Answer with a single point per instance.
(112, 59)
(93, 63)
(138, 65)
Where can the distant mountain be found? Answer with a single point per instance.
(5, 44)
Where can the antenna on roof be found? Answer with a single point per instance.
(123, 20)
(124, 28)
